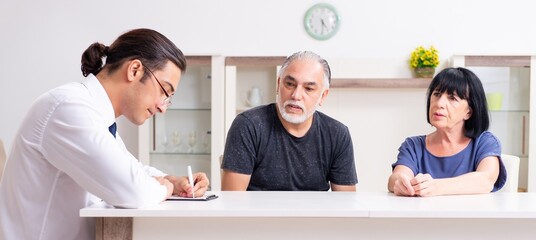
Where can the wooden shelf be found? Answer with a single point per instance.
(254, 61)
(248, 61)
(192, 61)
(498, 61)
(380, 82)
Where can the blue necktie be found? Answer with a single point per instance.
(113, 129)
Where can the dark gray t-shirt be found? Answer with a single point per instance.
(258, 145)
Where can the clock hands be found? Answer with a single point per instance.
(324, 26)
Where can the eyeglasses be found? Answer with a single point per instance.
(167, 100)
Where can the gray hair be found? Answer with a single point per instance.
(311, 56)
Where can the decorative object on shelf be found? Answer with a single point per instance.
(424, 61)
(165, 143)
(206, 142)
(192, 141)
(321, 21)
(424, 72)
(494, 101)
(176, 140)
(254, 97)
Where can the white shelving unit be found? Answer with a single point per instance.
(191, 131)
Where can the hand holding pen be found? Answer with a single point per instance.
(183, 187)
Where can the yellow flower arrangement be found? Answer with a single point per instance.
(422, 57)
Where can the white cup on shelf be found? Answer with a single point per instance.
(254, 97)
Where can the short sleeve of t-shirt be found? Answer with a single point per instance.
(240, 146)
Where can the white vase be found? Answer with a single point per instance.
(254, 97)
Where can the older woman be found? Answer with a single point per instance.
(460, 156)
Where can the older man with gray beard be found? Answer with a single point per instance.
(289, 146)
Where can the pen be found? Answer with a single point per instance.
(191, 179)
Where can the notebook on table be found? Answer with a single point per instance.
(205, 197)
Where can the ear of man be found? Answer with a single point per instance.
(323, 97)
(135, 70)
(277, 85)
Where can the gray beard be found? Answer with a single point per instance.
(295, 119)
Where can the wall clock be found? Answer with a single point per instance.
(321, 21)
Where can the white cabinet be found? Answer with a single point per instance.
(506, 80)
(191, 131)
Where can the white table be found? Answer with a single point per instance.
(325, 215)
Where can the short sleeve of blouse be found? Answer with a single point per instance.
(489, 145)
(410, 152)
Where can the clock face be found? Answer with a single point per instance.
(321, 21)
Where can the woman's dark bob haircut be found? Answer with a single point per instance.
(466, 85)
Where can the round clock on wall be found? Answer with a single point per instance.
(321, 21)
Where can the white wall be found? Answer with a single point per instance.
(41, 43)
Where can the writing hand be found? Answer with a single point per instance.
(201, 183)
(184, 189)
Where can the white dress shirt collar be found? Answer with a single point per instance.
(96, 89)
